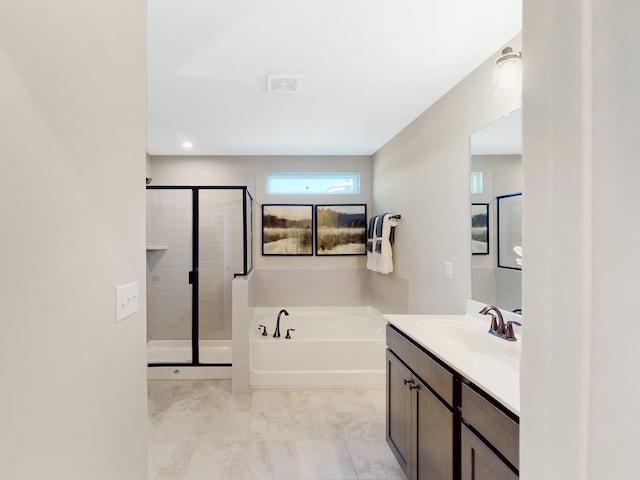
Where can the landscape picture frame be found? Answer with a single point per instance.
(287, 229)
(340, 229)
(480, 229)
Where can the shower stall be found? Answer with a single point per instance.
(198, 239)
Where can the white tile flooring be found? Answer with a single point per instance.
(199, 430)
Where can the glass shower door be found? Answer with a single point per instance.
(169, 262)
(220, 256)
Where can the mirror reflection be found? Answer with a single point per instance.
(509, 227)
(496, 181)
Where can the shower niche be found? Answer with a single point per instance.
(198, 240)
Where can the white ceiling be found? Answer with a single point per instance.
(369, 68)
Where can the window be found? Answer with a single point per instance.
(476, 183)
(316, 183)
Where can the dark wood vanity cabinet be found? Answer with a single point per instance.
(489, 438)
(420, 426)
(440, 427)
(479, 462)
(399, 412)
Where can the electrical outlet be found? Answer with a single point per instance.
(126, 300)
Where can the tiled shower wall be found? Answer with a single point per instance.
(221, 253)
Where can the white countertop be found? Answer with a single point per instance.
(463, 343)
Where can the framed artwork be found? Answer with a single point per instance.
(510, 231)
(480, 228)
(341, 229)
(287, 229)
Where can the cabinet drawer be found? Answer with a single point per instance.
(430, 372)
(494, 425)
(479, 462)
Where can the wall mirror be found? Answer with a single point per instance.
(496, 180)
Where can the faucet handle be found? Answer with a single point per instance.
(289, 330)
(510, 335)
(264, 330)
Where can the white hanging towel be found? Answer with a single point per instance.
(381, 259)
(385, 258)
(371, 243)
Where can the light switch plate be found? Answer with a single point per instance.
(126, 300)
(448, 271)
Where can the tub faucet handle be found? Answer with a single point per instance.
(264, 330)
(289, 330)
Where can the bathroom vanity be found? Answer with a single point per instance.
(452, 398)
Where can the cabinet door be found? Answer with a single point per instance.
(479, 462)
(433, 431)
(399, 411)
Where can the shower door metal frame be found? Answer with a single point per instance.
(195, 260)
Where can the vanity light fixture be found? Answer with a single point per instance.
(507, 74)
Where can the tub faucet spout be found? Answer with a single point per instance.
(276, 334)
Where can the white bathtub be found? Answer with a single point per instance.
(331, 346)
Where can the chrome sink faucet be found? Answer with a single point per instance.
(276, 334)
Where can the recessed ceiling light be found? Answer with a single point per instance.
(187, 144)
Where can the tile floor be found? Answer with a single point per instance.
(199, 430)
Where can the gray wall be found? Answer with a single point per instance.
(72, 143)
(423, 174)
(284, 281)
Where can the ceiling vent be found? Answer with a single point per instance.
(284, 83)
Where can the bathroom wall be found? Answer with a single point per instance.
(283, 280)
(72, 143)
(423, 174)
(579, 381)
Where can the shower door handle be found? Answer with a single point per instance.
(192, 277)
